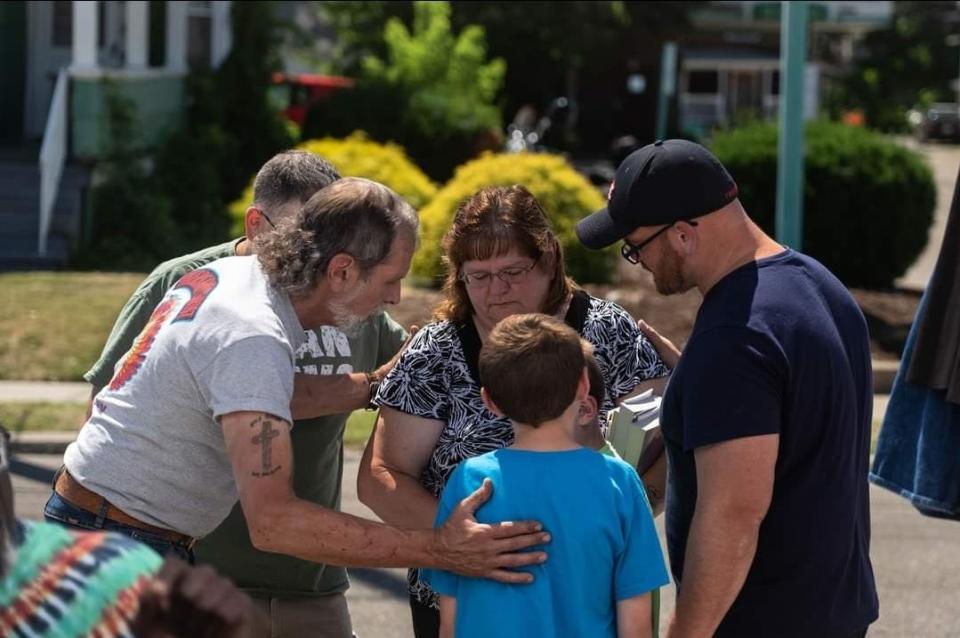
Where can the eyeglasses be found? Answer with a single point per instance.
(631, 252)
(264, 215)
(510, 275)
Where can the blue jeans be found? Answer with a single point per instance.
(65, 513)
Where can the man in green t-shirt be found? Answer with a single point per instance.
(305, 598)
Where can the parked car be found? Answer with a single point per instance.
(936, 122)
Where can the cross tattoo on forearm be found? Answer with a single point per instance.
(265, 439)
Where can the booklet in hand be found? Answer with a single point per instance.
(633, 429)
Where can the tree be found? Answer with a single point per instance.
(359, 29)
(433, 91)
(231, 130)
(450, 86)
(581, 50)
(909, 62)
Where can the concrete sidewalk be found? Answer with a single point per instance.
(44, 391)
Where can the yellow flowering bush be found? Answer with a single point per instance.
(565, 195)
(358, 156)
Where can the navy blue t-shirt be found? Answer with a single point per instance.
(780, 347)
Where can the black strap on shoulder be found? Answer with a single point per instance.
(576, 317)
(470, 342)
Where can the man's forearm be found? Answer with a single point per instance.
(316, 395)
(308, 531)
(720, 550)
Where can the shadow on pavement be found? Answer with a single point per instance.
(31, 471)
(389, 584)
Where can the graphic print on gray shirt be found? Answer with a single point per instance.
(221, 341)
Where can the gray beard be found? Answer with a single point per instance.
(348, 323)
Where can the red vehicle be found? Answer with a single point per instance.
(295, 93)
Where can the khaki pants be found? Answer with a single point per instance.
(321, 617)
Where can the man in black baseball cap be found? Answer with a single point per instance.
(664, 185)
(766, 419)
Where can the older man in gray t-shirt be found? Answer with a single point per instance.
(206, 389)
(221, 341)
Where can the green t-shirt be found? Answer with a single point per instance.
(318, 470)
(317, 443)
(135, 314)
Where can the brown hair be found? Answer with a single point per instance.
(530, 366)
(493, 222)
(355, 216)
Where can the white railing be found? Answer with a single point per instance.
(53, 153)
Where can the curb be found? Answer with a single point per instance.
(41, 442)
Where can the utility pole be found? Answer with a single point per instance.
(668, 86)
(793, 55)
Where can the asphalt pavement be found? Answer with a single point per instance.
(915, 559)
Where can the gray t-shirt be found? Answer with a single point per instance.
(221, 341)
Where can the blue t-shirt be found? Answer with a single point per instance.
(780, 346)
(603, 547)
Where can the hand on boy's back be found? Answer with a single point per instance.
(489, 550)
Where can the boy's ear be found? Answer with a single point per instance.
(487, 401)
(588, 411)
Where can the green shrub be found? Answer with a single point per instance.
(867, 203)
(566, 196)
(434, 92)
(132, 226)
(357, 156)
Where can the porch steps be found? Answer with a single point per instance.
(20, 216)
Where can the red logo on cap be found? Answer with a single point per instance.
(613, 185)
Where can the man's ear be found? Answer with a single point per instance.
(342, 272)
(487, 401)
(254, 223)
(686, 237)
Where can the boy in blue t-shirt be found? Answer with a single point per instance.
(604, 556)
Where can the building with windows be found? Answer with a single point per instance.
(730, 63)
(58, 63)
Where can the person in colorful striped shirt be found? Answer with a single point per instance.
(61, 583)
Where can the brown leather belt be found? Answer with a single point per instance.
(79, 496)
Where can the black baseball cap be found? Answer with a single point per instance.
(662, 183)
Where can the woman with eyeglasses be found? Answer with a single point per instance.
(501, 259)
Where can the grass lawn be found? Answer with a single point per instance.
(53, 325)
(36, 417)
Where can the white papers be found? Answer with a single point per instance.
(633, 427)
